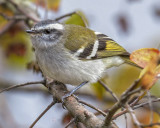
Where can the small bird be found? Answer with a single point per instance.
(73, 54)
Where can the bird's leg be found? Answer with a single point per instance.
(75, 89)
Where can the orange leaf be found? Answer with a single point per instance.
(142, 57)
(150, 72)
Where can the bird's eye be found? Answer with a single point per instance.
(47, 31)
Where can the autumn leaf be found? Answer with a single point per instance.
(98, 89)
(50, 4)
(16, 47)
(148, 58)
(78, 19)
(143, 56)
(4, 11)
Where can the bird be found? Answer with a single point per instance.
(73, 54)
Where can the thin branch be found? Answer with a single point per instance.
(149, 125)
(46, 9)
(20, 85)
(70, 14)
(66, 15)
(109, 90)
(16, 17)
(91, 106)
(151, 106)
(135, 107)
(135, 120)
(71, 121)
(40, 116)
(124, 98)
(23, 11)
(7, 27)
(146, 103)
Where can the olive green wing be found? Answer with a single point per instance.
(108, 47)
(86, 44)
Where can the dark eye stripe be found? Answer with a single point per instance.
(48, 31)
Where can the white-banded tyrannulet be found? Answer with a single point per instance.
(73, 54)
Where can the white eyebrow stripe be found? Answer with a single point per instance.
(55, 26)
(94, 51)
(52, 26)
(97, 33)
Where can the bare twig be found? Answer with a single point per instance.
(7, 27)
(70, 14)
(149, 125)
(150, 105)
(46, 9)
(109, 90)
(135, 120)
(91, 106)
(134, 107)
(16, 17)
(40, 116)
(20, 85)
(73, 120)
(66, 15)
(23, 11)
(124, 98)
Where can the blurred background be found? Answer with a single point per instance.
(134, 24)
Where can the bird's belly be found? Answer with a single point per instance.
(71, 71)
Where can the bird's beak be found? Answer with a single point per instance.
(31, 31)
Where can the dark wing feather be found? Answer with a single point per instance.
(106, 48)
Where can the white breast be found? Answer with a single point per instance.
(63, 67)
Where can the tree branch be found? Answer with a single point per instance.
(39, 117)
(20, 85)
(77, 110)
(123, 100)
(109, 90)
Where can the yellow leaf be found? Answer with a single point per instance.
(16, 47)
(78, 19)
(149, 74)
(98, 89)
(143, 56)
(7, 12)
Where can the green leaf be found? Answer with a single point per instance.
(78, 19)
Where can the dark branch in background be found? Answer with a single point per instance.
(150, 105)
(109, 90)
(7, 27)
(39, 117)
(134, 107)
(21, 85)
(66, 15)
(123, 100)
(133, 116)
(23, 11)
(150, 125)
(16, 17)
(70, 14)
